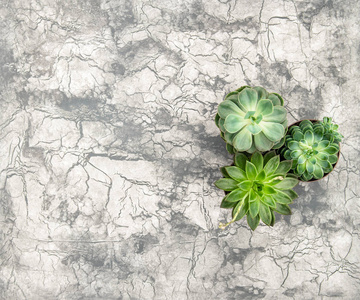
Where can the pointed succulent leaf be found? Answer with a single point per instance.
(245, 185)
(284, 167)
(282, 198)
(268, 200)
(283, 209)
(236, 195)
(251, 171)
(230, 149)
(236, 173)
(226, 204)
(240, 160)
(268, 156)
(223, 171)
(261, 176)
(258, 161)
(265, 214)
(272, 218)
(241, 209)
(253, 222)
(226, 184)
(268, 190)
(272, 165)
(254, 207)
(287, 183)
(291, 193)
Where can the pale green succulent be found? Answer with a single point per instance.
(251, 119)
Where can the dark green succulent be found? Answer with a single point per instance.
(257, 187)
(331, 130)
(251, 119)
(312, 149)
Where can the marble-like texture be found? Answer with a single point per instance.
(109, 151)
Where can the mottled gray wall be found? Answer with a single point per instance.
(109, 151)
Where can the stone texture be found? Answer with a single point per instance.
(109, 151)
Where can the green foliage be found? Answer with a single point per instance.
(313, 147)
(331, 130)
(257, 187)
(251, 119)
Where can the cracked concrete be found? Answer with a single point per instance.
(109, 151)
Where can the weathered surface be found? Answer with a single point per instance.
(109, 150)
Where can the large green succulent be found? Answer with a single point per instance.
(258, 187)
(312, 149)
(251, 119)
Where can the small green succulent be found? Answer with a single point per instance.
(251, 119)
(258, 186)
(331, 130)
(312, 149)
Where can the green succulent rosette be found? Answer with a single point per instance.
(331, 130)
(251, 119)
(312, 149)
(258, 187)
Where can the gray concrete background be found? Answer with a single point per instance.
(109, 151)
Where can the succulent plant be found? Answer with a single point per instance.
(257, 187)
(331, 130)
(251, 119)
(312, 149)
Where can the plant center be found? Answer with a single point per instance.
(257, 186)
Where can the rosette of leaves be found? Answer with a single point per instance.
(312, 152)
(252, 119)
(331, 130)
(258, 187)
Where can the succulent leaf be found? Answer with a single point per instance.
(240, 160)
